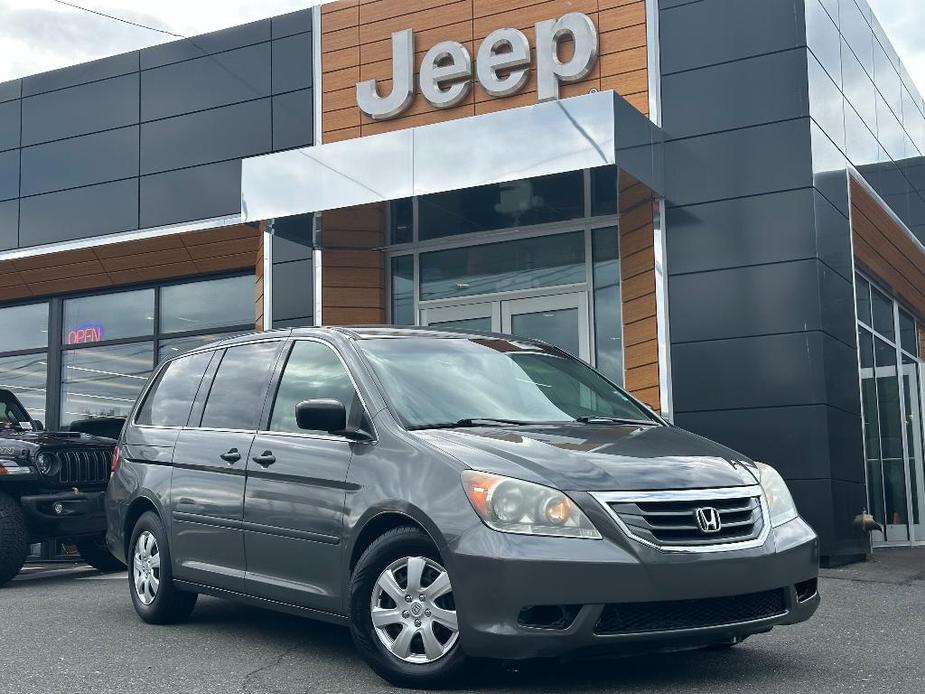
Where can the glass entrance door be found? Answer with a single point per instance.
(560, 319)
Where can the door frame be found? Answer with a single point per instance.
(538, 304)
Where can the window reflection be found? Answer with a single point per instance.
(178, 345)
(103, 381)
(24, 376)
(207, 304)
(91, 319)
(24, 327)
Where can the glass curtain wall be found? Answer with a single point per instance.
(102, 347)
(891, 392)
(537, 257)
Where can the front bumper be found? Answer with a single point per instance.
(81, 514)
(496, 576)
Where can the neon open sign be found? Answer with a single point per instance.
(85, 333)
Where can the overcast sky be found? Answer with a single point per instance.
(39, 35)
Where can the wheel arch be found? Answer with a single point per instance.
(378, 522)
(139, 506)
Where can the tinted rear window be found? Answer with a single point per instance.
(168, 403)
(238, 390)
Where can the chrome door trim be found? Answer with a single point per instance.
(705, 495)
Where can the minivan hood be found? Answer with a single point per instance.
(597, 457)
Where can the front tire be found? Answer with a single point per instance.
(150, 579)
(408, 642)
(14, 538)
(94, 552)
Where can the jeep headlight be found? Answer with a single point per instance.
(47, 464)
(780, 502)
(513, 506)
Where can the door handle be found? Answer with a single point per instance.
(231, 457)
(266, 459)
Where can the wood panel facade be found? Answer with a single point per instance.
(886, 251)
(353, 277)
(131, 262)
(637, 270)
(356, 46)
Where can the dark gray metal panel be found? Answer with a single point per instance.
(744, 231)
(820, 441)
(833, 237)
(216, 80)
(79, 213)
(9, 174)
(734, 95)
(292, 238)
(111, 103)
(206, 44)
(229, 132)
(10, 90)
(71, 76)
(9, 224)
(848, 500)
(718, 31)
(9, 124)
(814, 502)
(292, 63)
(293, 116)
(292, 23)
(745, 301)
(836, 305)
(80, 161)
(768, 371)
(200, 192)
(292, 290)
(750, 161)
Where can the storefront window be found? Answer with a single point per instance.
(403, 290)
(24, 327)
(207, 304)
(92, 319)
(604, 187)
(25, 377)
(544, 261)
(401, 220)
(608, 335)
(174, 347)
(526, 202)
(103, 381)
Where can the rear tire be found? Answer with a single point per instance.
(94, 552)
(432, 669)
(150, 579)
(14, 538)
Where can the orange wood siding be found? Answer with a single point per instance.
(356, 46)
(353, 277)
(160, 258)
(258, 298)
(884, 250)
(637, 268)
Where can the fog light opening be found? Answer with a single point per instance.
(548, 616)
(807, 589)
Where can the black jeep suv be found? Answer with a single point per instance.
(51, 486)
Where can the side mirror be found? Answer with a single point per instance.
(321, 415)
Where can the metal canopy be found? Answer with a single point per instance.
(597, 129)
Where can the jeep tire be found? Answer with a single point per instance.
(14, 538)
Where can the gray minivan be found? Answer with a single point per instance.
(448, 496)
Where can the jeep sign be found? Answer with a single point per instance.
(502, 66)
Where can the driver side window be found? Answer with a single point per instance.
(313, 372)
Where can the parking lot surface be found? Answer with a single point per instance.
(68, 629)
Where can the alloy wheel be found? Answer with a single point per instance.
(413, 611)
(146, 567)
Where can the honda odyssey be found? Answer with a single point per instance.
(449, 496)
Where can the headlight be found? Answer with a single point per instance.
(780, 503)
(47, 464)
(514, 506)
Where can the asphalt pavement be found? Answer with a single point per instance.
(67, 629)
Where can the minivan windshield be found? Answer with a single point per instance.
(445, 382)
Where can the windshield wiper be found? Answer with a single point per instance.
(602, 419)
(474, 422)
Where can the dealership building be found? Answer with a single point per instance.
(719, 204)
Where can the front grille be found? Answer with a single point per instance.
(83, 466)
(639, 617)
(673, 522)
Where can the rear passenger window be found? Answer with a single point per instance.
(239, 386)
(169, 401)
(313, 372)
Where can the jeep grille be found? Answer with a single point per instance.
(83, 466)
